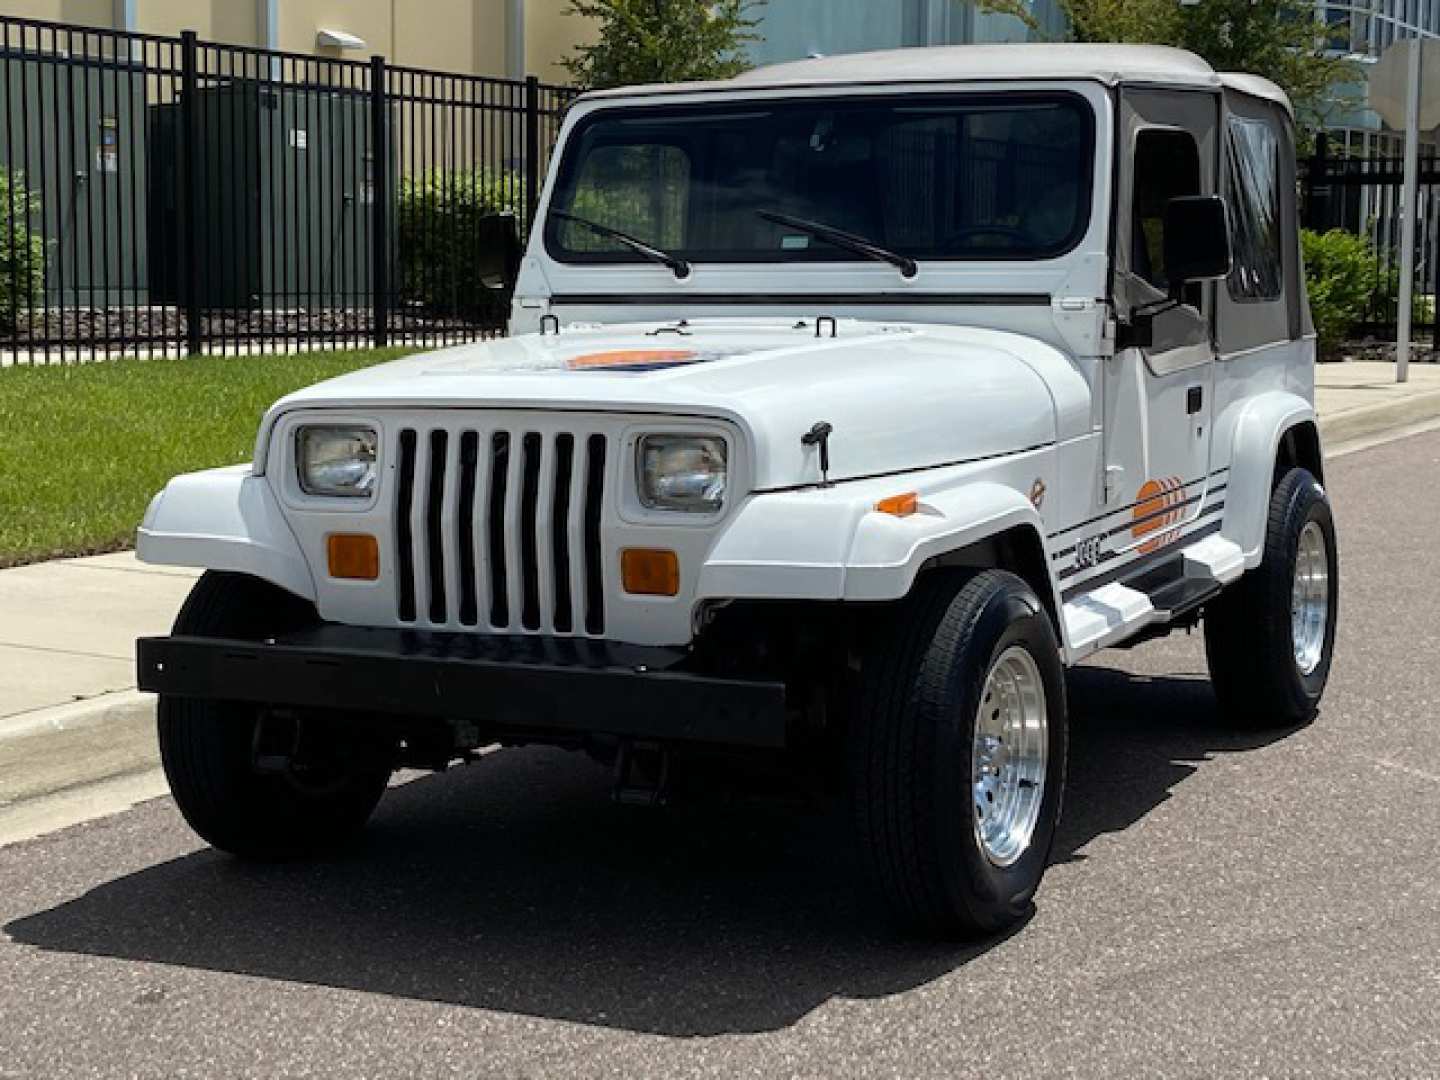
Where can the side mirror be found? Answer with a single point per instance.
(497, 257)
(1197, 241)
(498, 252)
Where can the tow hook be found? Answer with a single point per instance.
(642, 774)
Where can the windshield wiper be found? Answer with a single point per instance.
(677, 265)
(842, 239)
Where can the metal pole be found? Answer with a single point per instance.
(268, 14)
(127, 19)
(515, 39)
(1407, 220)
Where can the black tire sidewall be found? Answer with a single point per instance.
(1308, 503)
(206, 745)
(995, 895)
(1304, 502)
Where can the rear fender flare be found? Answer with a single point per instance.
(1255, 446)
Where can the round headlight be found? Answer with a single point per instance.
(336, 461)
(682, 472)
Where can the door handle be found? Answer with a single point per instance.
(1194, 399)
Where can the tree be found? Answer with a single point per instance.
(650, 41)
(1283, 40)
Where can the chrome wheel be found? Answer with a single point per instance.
(1310, 598)
(1009, 757)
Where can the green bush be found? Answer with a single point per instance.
(22, 249)
(438, 227)
(1342, 274)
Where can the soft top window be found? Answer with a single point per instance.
(1253, 187)
(933, 177)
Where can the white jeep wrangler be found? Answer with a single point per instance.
(847, 402)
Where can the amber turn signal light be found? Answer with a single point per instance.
(353, 555)
(650, 573)
(899, 505)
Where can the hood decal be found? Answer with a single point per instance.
(632, 359)
(647, 359)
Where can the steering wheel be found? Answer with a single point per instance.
(1008, 232)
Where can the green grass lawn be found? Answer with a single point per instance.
(84, 447)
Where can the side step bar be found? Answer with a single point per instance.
(1117, 611)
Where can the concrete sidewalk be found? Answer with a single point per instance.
(1361, 399)
(69, 627)
(77, 738)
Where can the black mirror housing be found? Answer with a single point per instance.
(498, 251)
(1197, 240)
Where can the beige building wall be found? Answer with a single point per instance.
(85, 12)
(551, 33)
(465, 36)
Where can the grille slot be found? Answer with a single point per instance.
(404, 494)
(594, 562)
(560, 532)
(464, 532)
(434, 535)
(529, 561)
(495, 530)
(500, 530)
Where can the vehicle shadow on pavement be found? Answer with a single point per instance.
(517, 886)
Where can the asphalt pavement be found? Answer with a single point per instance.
(1219, 904)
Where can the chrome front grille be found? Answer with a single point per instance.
(500, 529)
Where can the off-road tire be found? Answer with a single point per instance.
(1248, 635)
(912, 747)
(207, 750)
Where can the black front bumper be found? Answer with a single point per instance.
(554, 689)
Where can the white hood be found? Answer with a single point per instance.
(899, 396)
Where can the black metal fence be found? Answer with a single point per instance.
(165, 195)
(1363, 196)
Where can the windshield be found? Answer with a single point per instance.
(929, 177)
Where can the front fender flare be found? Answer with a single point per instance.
(888, 552)
(224, 519)
(831, 543)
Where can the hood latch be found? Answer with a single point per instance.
(819, 435)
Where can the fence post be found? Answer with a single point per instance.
(189, 189)
(532, 149)
(379, 202)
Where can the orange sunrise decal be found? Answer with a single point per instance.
(1157, 507)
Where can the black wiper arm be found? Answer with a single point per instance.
(678, 266)
(842, 239)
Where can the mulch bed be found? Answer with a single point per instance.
(144, 330)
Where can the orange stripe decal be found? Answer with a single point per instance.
(628, 357)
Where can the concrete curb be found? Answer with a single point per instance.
(66, 764)
(1352, 425)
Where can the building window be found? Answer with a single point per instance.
(1253, 192)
